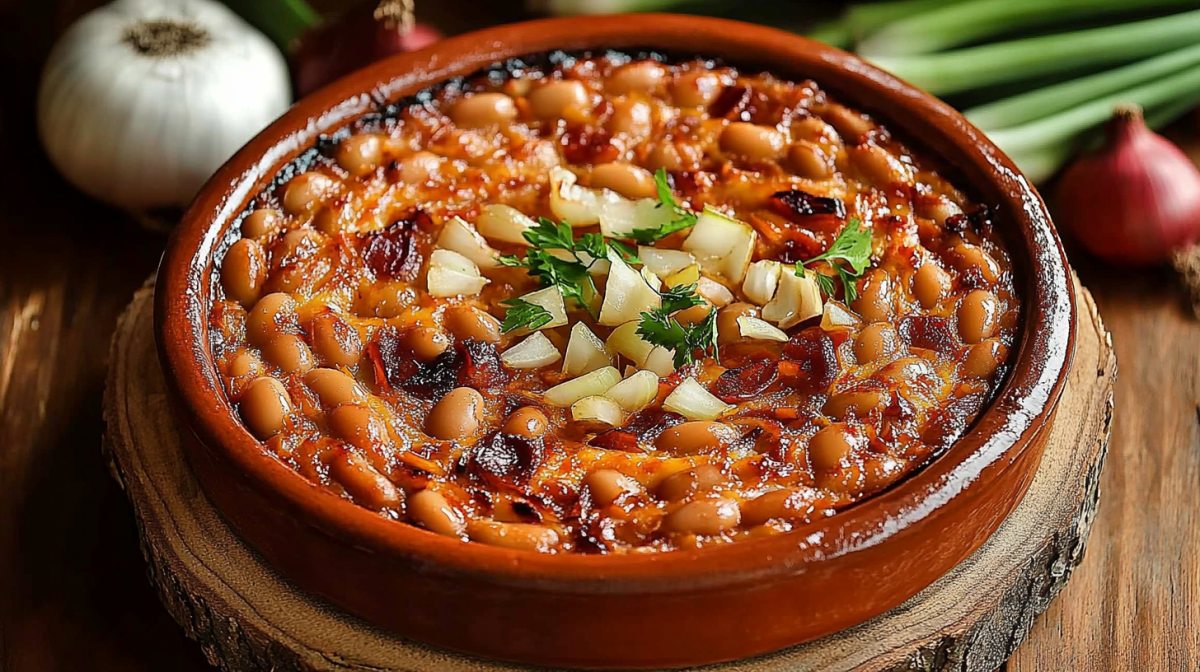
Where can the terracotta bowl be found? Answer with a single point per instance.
(665, 609)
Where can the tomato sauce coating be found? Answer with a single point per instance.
(337, 343)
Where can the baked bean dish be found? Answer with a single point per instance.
(610, 303)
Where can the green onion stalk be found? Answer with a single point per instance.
(283, 21)
(1029, 107)
(977, 67)
(1043, 146)
(959, 23)
(860, 20)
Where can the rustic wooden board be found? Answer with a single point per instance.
(247, 618)
(1134, 604)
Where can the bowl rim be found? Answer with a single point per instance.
(1004, 428)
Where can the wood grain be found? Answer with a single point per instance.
(1134, 603)
(73, 594)
(247, 618)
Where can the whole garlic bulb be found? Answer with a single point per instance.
(142, 100)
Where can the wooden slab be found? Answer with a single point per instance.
(246, 617)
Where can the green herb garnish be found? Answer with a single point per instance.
(628, 255)
(570, 276)
(659, 328)
(523, 314)
(680, 297)
(684, 218)
(852, 246)
(550, 236)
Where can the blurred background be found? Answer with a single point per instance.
(103, 146)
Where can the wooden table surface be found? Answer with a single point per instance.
(73, 594)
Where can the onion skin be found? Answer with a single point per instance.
(1135, 201)
(350, 42)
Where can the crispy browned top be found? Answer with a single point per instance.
(330, 342)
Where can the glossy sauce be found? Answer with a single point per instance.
(347, 369)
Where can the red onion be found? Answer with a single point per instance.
(350, 42)
(1136, 201)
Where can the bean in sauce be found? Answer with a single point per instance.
(403, 402)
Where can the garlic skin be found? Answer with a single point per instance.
(142, 100)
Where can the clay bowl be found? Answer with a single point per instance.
(667, 609)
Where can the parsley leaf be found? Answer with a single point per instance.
(701, 336)
(550, 236)
(852, 246)
(523, 314)
(680, 297)
(684, 219)
(569, 275)
(665, 197)
(593, 244)
(627, 253)
(659, 328)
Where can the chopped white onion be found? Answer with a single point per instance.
(694, 402)
(596, 267)
(722, 245)
(459, 236)
(797, 300)
(619, 218)
(576, 205)
(453, 261)
(624, 340)
(452, 274)
(752, 327)
(837, 318)
(551, 299)
(761, 281)
(664, 262)
(689, 275)
(660, 361)
(599, 409)
(636, 391)
(627, 293)
(585, 352)
(505, 224)
(532, 353)
(596, 382)
(716, 293)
